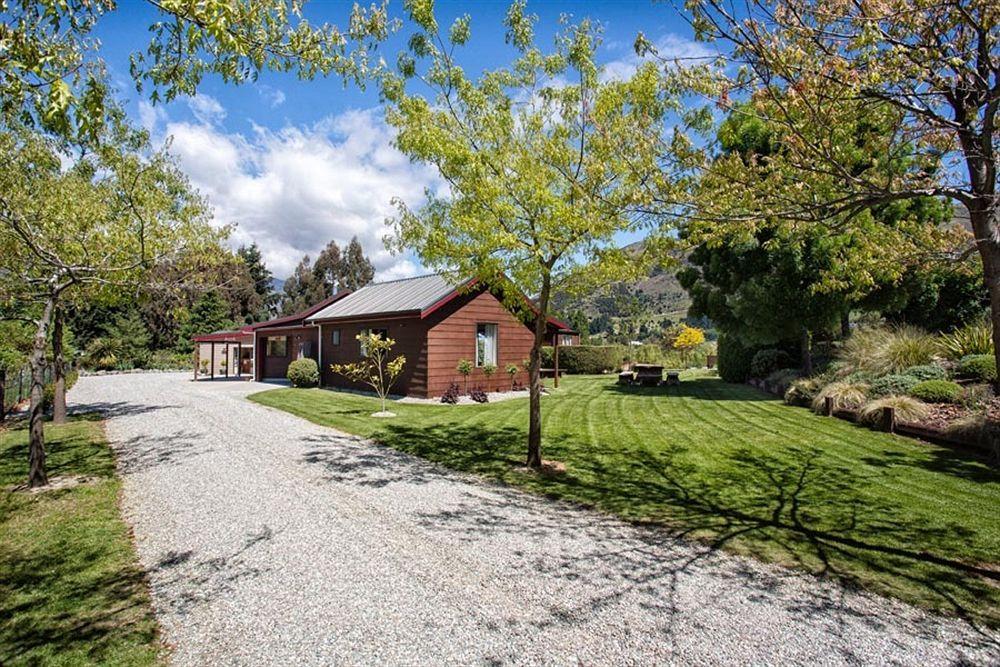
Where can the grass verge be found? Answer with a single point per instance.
(731, 466)
(71, 590)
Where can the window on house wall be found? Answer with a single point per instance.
(277, 346)
(383, 333)
(486, 344)
(566, 339)
(335, 337)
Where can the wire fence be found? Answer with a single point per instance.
(17, 386)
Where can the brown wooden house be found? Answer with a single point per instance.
(434, 323)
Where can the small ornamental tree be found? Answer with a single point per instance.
(512, 372)
(488, 371)
(376, 369)
(465, 370)
(688, 339)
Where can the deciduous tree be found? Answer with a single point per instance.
(545, 162)
(927, 73)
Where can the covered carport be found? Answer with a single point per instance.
(224, 354)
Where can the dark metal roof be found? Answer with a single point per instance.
(296, 318)
(409, 295)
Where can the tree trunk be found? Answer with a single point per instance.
(806, 347)
(36, 447)
(535, 379)
(58, 368)
(845, 324)
(3, 395)
(984, 220)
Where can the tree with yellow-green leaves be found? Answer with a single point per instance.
(545, 162)
(375, 369)
(870, 104)
(52, 77)
(88, 232)
(93, 230)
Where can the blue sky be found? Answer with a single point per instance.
(297, 163)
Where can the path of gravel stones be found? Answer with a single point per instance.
(270, 540)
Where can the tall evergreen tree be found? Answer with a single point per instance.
(209, 313)
(357, 270)
(298, 288)
(262, 282)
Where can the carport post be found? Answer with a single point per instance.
(227, 349)
(213, 360)
(239, 359)
(197, 358)
(555, 356)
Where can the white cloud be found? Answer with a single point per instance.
(274, 97)
(206, 109)
(669, 46)
(293, 190)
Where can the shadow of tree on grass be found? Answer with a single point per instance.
(806, 509)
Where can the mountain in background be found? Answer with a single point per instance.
(629, 310)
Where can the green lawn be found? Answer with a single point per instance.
(71, 591)
(731, 466)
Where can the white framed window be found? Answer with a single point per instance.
(486, 344)
(335, 337)
(382, 333)
(566, 339)
(277, 346)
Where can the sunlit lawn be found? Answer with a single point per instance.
(71, 592)
(726, 464)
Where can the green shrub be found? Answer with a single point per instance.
(908, 409)
(766, 362)
(893, 385)
(803, 391)
(169, 360)
(937, 391)
(974, 338)
(780, 380)
(981, 367)
(49, 389)
(303, 373)
(587, 359)
(927, 372)
(734, 359)
(845, 395)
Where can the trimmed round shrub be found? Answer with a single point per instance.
(982, 367)
(846, 396)
(766, 362)
(303, 373)
(893, 385)
(734, 359)
(780, 380)
(927, 372)
(937, 391)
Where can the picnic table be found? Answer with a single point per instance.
(648, 375)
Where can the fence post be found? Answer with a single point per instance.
(828, 406)
(888, 423)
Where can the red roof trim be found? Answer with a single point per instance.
(440, 303)
(302, 314)
(235, 336)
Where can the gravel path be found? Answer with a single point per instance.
(273, 541)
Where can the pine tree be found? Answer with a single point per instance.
(209, 313)
(262, 281)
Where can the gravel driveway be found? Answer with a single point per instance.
(273, 541)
